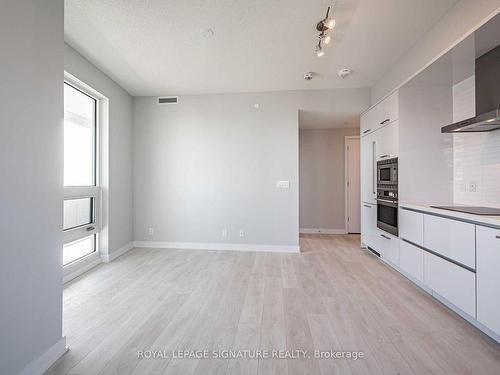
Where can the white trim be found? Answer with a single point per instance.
(106, 258)
(217, 246)
(322, 231)
(73, 270)
(47, 359)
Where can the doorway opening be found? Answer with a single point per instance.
(329, 181)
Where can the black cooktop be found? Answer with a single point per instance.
(487, 211)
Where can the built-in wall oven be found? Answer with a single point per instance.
(387, 195)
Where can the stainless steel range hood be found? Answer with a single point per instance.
(487, 75)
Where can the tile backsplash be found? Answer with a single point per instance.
(476, 156)
(476, 168)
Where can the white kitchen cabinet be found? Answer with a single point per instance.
(366, 122)
(454, 283)
(387, 139)
(369, 234)
(411, 260)
(389, 247)
(368, 169)
(389, 109)
(488, 277)
(452, 238)
(381, 114)
(411, 226)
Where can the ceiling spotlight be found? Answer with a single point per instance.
(326, 23)
(319, 51)
(329, 23)
(326, 39)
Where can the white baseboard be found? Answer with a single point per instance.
(47, 359)
(106, 258)
(322, 231)
(217, 246)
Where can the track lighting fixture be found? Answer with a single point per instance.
(325, 26)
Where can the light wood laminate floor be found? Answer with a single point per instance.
(333, 296)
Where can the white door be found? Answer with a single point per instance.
(353, 195)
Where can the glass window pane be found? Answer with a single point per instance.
(78, 249)
(77, 212)
(79, 137)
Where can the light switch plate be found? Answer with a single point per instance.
(285, 184)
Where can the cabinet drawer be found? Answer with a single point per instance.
(389, 247)
(411, 260)
(452, 282)
(411, 226)
(488, 277)
(453, 239)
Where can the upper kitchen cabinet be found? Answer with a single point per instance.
(380, 115)
(387, 141)
(389, 110)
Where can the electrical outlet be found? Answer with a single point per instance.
(224, 233)
(285, 184)
(473, 186)
(242, 233)
(151, 231)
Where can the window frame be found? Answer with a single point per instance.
(91, 191)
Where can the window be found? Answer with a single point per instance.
(81, 191)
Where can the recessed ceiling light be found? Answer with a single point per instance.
(207, 33)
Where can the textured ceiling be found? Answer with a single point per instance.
(156, 47)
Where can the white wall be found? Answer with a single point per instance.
(462, 19)
(322, 178)
(31, 165)
(212, 162)
(120, 193)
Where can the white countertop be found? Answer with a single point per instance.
(476, 219)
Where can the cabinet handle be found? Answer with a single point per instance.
(385, 121)
(384, 156)
(374, 153)
(498, 237)
(383, 235)
(89, 229)
(371, 207)
(366, 131)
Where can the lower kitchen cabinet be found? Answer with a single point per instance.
(389, 247)
(411, 260)
(452, 282)
(369, 232)
(453, 239)
(488, 277)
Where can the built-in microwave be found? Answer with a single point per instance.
(387, 195)
(387, 172)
